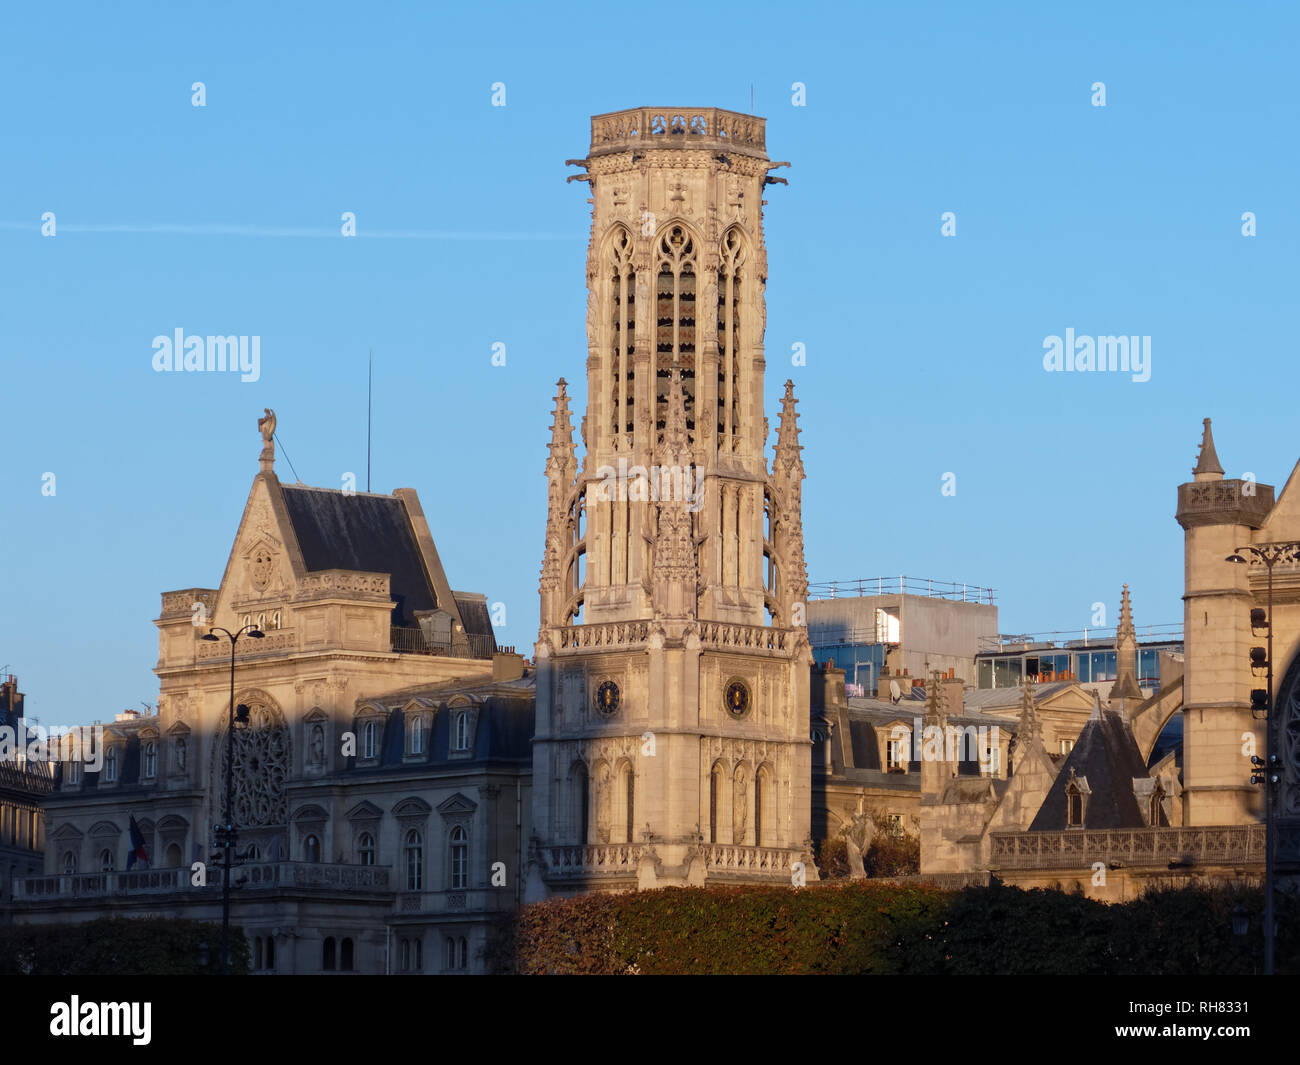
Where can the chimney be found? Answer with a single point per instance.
(506, 665)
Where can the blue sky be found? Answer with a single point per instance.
(924, 353)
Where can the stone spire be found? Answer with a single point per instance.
(560, 470)
(787, 479)
(1126, 685)
(1207, 461)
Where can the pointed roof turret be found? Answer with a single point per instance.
(1126, 685)
(1207, 461)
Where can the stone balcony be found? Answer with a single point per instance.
(453, 901)
(1136, 847)
(709, 128)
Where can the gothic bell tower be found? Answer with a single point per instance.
(672, 735)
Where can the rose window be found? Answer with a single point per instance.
(261, 768)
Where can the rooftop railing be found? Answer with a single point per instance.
(901, 585)
(414, 641)
(1073, 639)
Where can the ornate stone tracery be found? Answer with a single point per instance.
(261, 765)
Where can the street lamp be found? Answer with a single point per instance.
(1268, 556)
(227, 833)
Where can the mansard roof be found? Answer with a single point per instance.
(1108, 756)
(363, 532)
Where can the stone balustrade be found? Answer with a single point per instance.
(1130, 847)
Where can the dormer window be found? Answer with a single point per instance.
(415, 734)
(895, 759)
(150, 759)
(1073, 806)
(110, 766)
(73, 775)
(461, 731)
(368, 740)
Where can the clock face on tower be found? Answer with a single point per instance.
(607, 697)
(736, 697)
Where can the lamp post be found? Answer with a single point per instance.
(1268, 555)
(227, 833)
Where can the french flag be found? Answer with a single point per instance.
(138, 851)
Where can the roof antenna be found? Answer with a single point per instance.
(370, 381)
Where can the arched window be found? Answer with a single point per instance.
(368, 740)
(311, 849)
(254, 852)
(366, 849)
(257, 952)
(730, 384)
(758, 808)
(69, 863)
(622, 321)
(464, 953)
(327, 954)
(150, 760)
(462, 731)
(172, 856)
(629, 803)
(450, 953)
(106, 861)
(675, 314)
(414, 861)
(418, 955)
(270, 952)
(415, 735)
(580, 798)
(345, 955)
(110, 766)
(459, 857)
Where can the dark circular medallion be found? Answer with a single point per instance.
(737, 697)
(607, 697)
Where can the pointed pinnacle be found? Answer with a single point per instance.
(1207, 461)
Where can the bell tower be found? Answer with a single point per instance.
(672, 736)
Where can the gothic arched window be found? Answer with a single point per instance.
(1073, 806)
(730, 262)
(450, 959)
(622, 321)
(464, 953)
(675, 292)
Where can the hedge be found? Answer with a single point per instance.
(858, 927)
(119, 946)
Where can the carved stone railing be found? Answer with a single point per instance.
(250, 876)
(460, 900)
(601, 859)
(181, 603)
(276, 641)
(607, 634)
(758, 637)
(352, 584)
(764, 861)
(1128, 846)
(678, 127)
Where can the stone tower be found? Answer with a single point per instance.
(672, 735)
(1218, 516)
